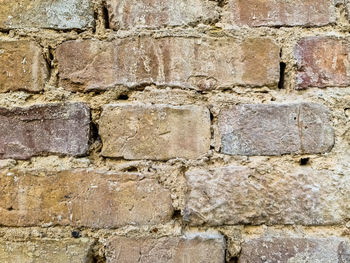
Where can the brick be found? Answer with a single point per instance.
(234, 195)
(196, 248)
(322, 62)
(276, 129)
(44, 129)
(22, 66)
(58, 14)
(158, 132)
(154, 14)
(81, 198)
(295, 249)
(46, 250)
(202, 64)
(255, 13)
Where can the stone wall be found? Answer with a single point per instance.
(175, 131)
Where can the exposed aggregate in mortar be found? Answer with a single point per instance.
(171, 173)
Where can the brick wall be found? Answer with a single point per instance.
(175, 131)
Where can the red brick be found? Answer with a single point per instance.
(234, 195)
(46, 250)
(199, 247)
(160, 132)
(347, 7)
(322, 62)
(276, 129)
(22, 66)
(279, 12)
(295, 249)
(202, 64)
(44, 129)
(58, 14)
(159, 13)
(82, 198)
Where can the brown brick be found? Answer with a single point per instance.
(256, 13)
(44, 129)
(58, 14)
(202, 64)
(238, 195)
(153, 14)
(202, 248)
(82, 198)
(295, 249)
(276, 129)
(159, 132)
(46, 250)
(22, 66)
(322, 62)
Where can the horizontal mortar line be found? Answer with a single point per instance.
(242, 31)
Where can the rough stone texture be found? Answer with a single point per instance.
(46, 250)
(44, 129)
(160, 132)
(202, 64)
(146, 174)
(238, 195)
(256, 13)
(22, 66)
(295, 250)
(196, 248)
(276, 129)
(322, 62)
(82, 198)
(128, 14)
(58, 14)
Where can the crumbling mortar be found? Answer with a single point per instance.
(286, 37)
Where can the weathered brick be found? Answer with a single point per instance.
(256, 13)
(238, 195)
(46, 250)
(347, 7)
(159, 13)
(322, 62)
(202, 64)
(276, 129)
(44, 129)
(22, 66)
(160, 132)
(295, 249)
(58, 14)
(204, 248)
(82, 198)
